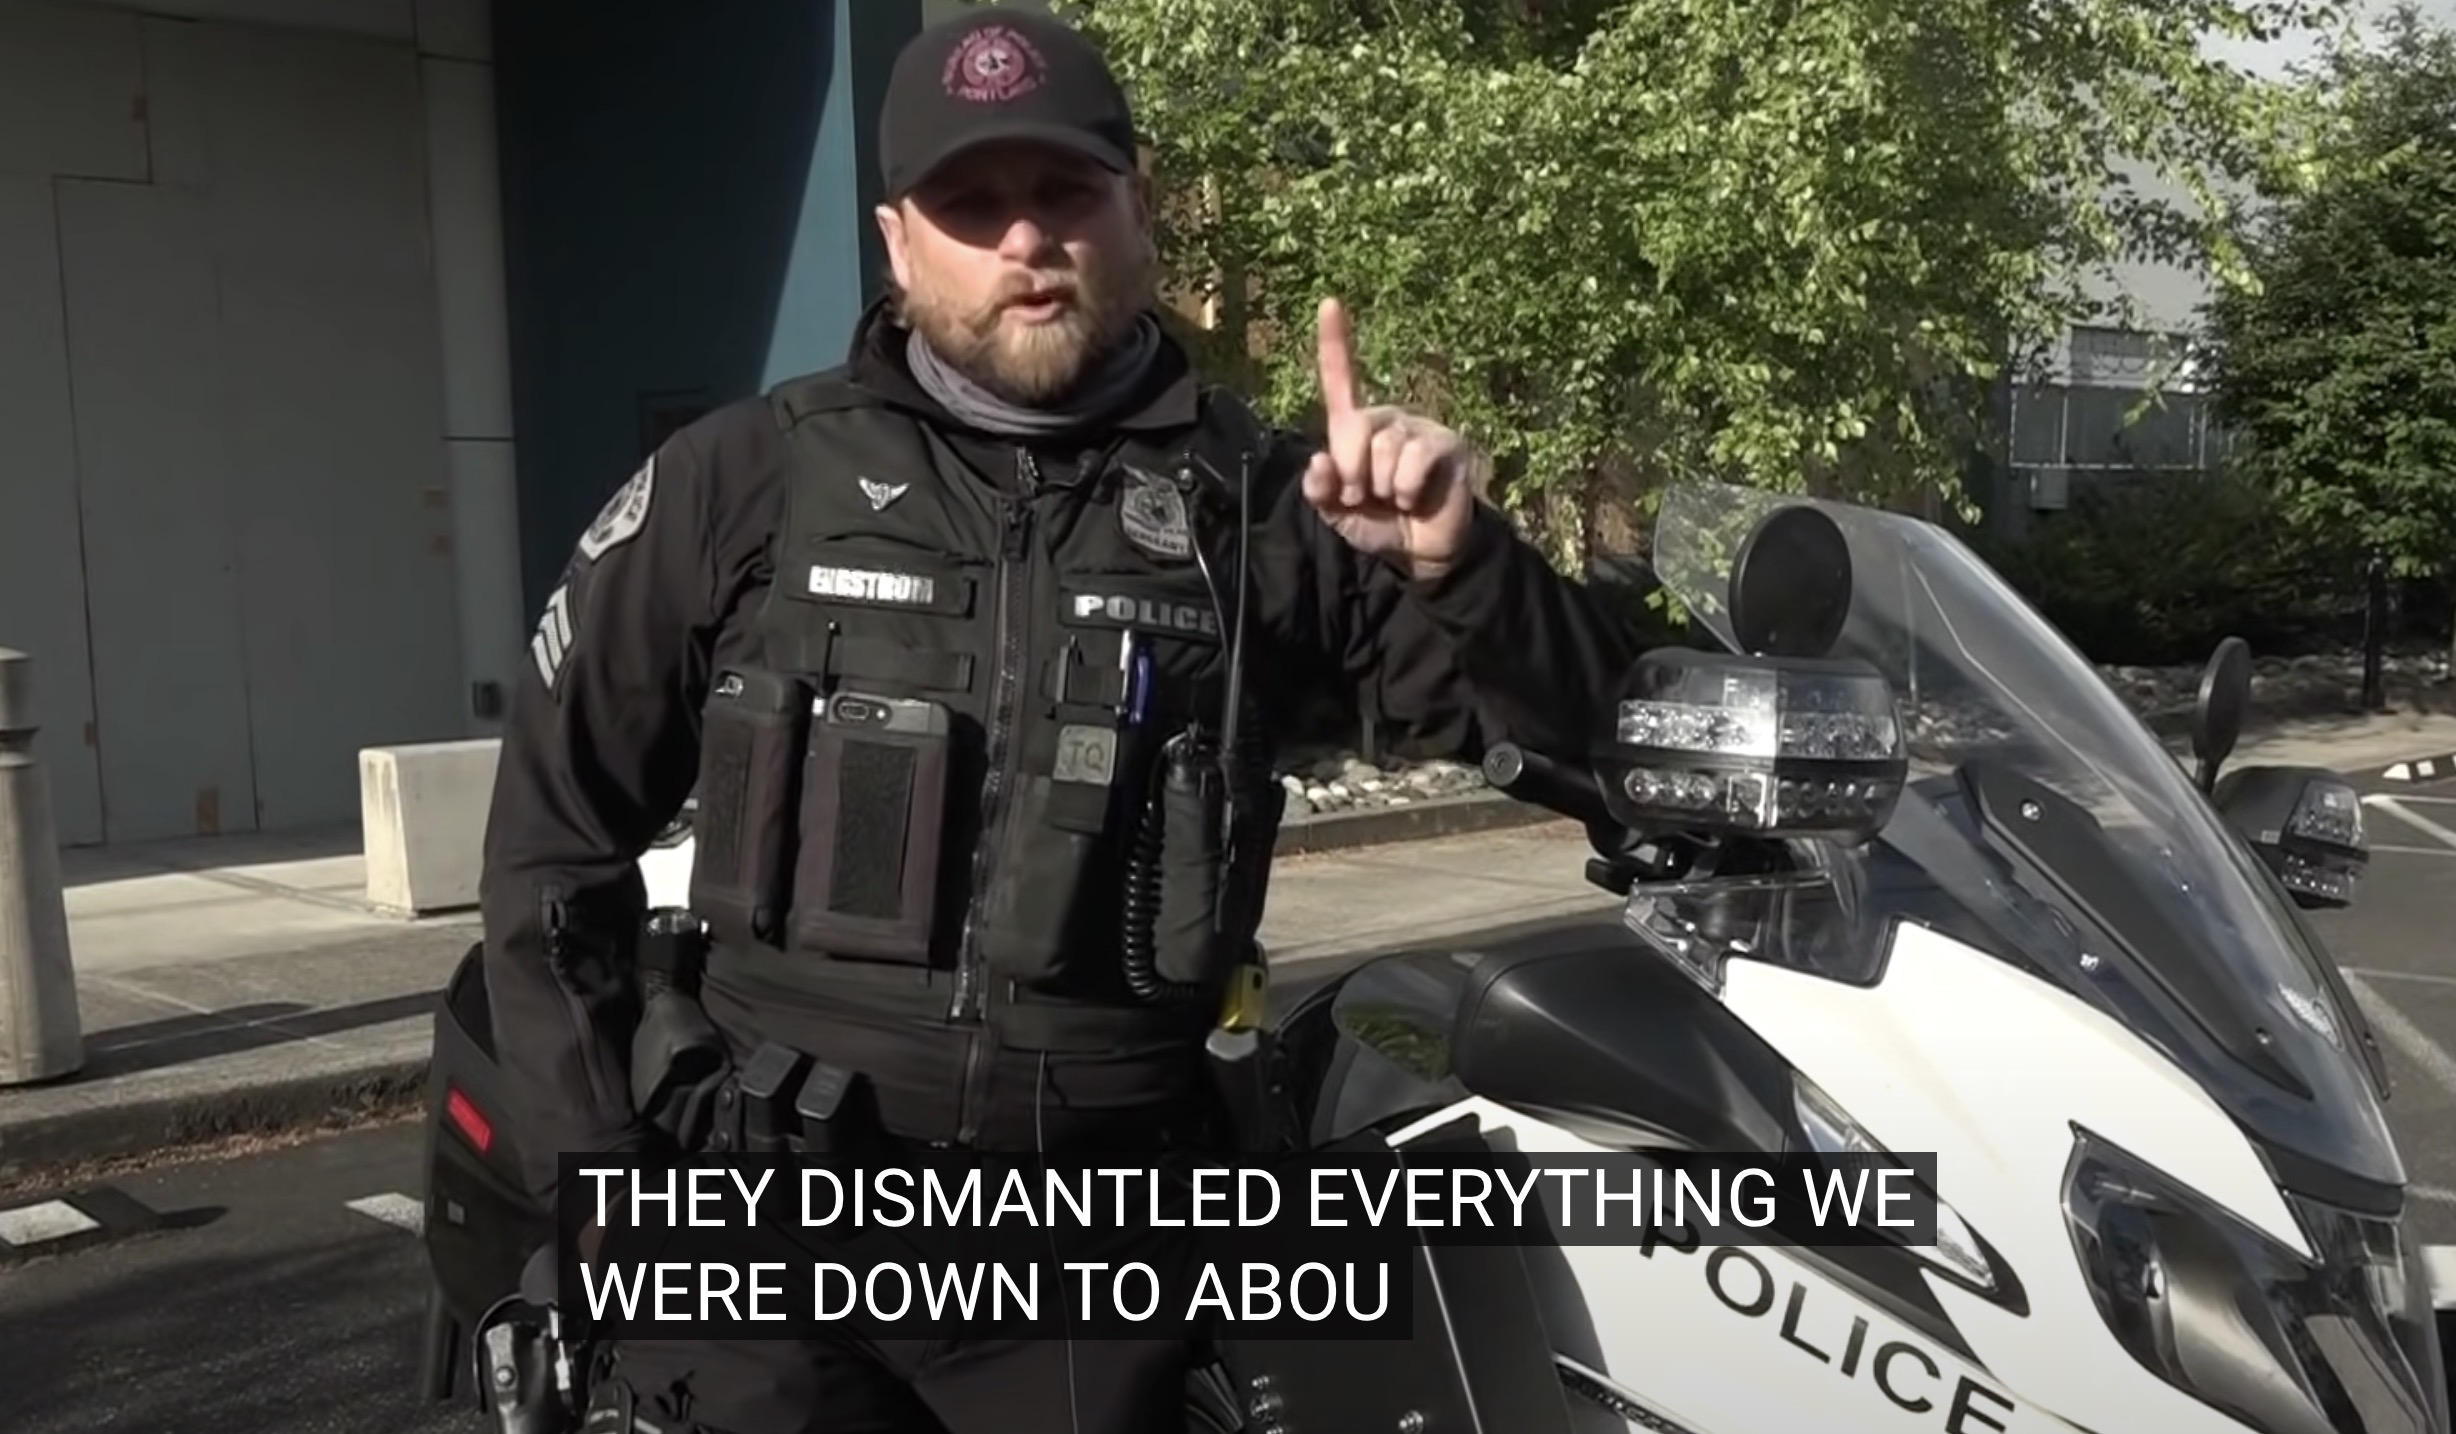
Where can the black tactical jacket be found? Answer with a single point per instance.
(938, 886)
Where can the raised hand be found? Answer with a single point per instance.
(1387, 481)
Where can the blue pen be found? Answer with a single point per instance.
(1138, 690)
(1134, 670)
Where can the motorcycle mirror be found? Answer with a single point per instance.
(1791, 584)
(2225, 698)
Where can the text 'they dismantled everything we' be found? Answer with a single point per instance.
(1555, 1199)
(1318, 1245)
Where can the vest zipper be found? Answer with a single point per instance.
(1013, 594)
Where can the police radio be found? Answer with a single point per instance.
(1203, 799)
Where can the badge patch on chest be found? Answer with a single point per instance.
(1151, 511)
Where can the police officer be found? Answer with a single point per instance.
(969, 648)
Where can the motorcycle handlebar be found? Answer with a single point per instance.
(1570, 789)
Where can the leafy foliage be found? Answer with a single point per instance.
(1766, 241)
(2157, 568)
(2337, 365)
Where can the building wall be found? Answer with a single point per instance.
(2079, 425)
(226, 537)
(2071, 432)
(245, 347)
(687, 193)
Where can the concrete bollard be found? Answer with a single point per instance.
(41, 1036)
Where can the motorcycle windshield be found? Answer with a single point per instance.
(2204, 956)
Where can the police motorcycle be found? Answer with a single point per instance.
(1898, 872)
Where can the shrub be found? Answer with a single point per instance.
(2158, 568)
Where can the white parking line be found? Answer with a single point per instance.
(2440, 1262)
(399, 1211)
(2422, 769)
(2397, 808)
(2424, 978)
(2416, 1043)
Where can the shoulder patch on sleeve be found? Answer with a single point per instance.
(551, 643)
(623, 515)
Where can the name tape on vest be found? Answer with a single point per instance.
(871, 585)
(1142, 613)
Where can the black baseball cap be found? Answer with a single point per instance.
(998, 74)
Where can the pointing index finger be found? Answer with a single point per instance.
(1336, 359)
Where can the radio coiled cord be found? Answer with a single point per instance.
(1142, 897)
(1232, 759)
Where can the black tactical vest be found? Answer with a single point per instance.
(985, 772)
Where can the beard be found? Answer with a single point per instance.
(1033, 365)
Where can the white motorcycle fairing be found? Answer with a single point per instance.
(2176, 1206)
(1733, 1338)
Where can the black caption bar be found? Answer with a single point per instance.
(972, 1246)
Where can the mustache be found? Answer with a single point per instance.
(1076, 288)
(1066, 286)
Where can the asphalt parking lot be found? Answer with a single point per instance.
(2397, 945)
(282, 1294)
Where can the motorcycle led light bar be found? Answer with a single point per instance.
(1756, 801)
(2329, 814)
(2305, 824)
(2323, 849)
(2329, 883)
(1754, 723)
(1766, 746)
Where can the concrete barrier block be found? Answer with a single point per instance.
(422, 809)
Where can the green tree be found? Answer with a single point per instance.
(1784, 243)
(2334, 364)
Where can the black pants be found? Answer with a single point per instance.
(851, 1386)
(905, 1387)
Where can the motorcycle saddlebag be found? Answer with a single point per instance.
(481, 1221)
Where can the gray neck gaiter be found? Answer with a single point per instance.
(1101, 391)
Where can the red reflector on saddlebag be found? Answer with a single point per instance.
(465, 1119)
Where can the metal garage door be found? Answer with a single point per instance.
(224, 535)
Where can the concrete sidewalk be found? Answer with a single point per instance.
(262, 995)
(230, 984)
(241, 984)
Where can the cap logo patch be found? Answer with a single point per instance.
(992, 65)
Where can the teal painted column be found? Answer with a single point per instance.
(835, 260)
(669, 256)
